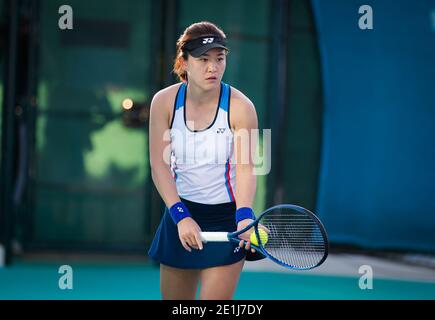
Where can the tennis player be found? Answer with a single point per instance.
(206, 185)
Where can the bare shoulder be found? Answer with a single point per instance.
(165, 95)
(239, 99)
(162, 104)
(242, 109)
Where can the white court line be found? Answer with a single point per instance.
(348, 264)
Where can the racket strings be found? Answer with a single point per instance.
(294, 238)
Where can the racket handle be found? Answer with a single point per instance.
(214, 236)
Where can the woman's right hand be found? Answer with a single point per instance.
(188, 232)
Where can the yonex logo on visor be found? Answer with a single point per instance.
(207, 40)
(199, 46)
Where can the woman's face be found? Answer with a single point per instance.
(207, 70)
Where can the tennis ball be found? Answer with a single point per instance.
(263, 237)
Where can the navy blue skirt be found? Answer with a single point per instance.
(167, 249)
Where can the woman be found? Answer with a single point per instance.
(194, 124)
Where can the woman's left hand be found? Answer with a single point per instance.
(245, 236)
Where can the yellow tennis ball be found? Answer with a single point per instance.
(263, 237)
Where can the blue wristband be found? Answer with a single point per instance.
(178, 212)
(244, 213)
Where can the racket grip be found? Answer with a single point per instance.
(214, 236)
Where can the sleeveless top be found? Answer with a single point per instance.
(202, 161)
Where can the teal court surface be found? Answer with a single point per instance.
(337, 278)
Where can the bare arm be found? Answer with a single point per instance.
(159, 146)
(159, 142)
(245, 123)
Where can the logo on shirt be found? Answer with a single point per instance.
(236, 249)
(220, 130)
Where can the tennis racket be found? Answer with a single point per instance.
(296, 237)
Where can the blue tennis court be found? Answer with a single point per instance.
(139, 280)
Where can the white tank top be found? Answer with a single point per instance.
(202, 161)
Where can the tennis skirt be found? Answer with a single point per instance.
(167, 249)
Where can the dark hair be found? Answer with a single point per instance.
(194, 31)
